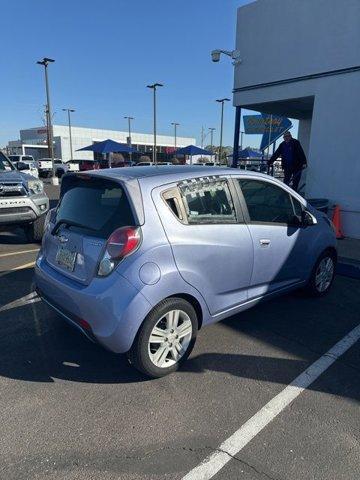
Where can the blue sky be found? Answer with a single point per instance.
(107, 52)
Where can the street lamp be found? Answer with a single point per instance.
(222, 101)
(154, 87)
(45, 62)
(175, 127)
(212, 140)
(69, 110)
(234, 54)
(130, 144)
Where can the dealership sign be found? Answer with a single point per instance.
(271, 127)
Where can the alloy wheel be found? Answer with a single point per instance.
(170, 338)
(324, 274)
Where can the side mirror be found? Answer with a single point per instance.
(22, 166)
(308, 219)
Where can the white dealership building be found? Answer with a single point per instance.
(301, 59)
(33, 141)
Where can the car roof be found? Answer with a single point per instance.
(160, 175)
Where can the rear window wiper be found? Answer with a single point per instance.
(69, 223)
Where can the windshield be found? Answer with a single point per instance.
(27, 158)
(5, 164)
(96, 206)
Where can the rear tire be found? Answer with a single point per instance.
(173, 326)
(322, 275)
(34, 231)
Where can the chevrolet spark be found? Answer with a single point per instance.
(139, 259)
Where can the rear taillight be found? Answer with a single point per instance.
(49, 218)
(121, 243)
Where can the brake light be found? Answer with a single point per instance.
(84, 324)
(121, 243)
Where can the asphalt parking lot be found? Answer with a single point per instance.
(69, 409)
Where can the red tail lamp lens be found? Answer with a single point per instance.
(123, 241)
(84, 324)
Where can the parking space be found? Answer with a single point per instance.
(70, 409)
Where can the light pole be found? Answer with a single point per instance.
(222, 101)
(241, 140)
(236, 57)
(212, 140)
(130, 143)
(45, 62)
(69, 110)
(154, 87)
(175, 127)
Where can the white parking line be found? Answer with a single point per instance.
(26, 300)
(18, 253)
(25, 265)
(230, 447)
(19, 267)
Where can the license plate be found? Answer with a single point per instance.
(66, 258)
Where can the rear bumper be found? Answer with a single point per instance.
(71, 319)
(112, 306)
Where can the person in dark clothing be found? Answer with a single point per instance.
(293, 159)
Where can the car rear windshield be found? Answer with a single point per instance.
(96, 205)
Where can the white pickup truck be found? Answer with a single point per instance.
(44, 166)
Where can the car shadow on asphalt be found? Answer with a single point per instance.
(15, 236)
(37, 345)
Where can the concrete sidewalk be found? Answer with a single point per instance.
(349, 257)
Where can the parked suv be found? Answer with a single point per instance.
(27, 160)
(139, 259)
(23, 201)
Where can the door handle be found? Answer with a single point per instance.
(265, 242)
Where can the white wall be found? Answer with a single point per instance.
(294, 38)
(281, 39)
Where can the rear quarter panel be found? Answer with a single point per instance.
(152, 269)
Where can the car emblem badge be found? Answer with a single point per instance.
(63, 239)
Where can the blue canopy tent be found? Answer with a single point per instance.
(249, 153)
(108, 146)
(192, 150)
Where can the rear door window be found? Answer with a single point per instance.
(98, 206)
(208, 201)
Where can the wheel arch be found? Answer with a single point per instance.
(194, 302)
(331, 250)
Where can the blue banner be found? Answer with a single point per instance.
(274, 127)
(271, 127)
(253, 124)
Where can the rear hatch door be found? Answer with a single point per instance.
(90, 209)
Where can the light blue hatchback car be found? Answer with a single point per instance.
(139, 259)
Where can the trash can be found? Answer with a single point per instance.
(321, 204)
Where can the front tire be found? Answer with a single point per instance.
(165, 339)
(322, 275)
(34, 231)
